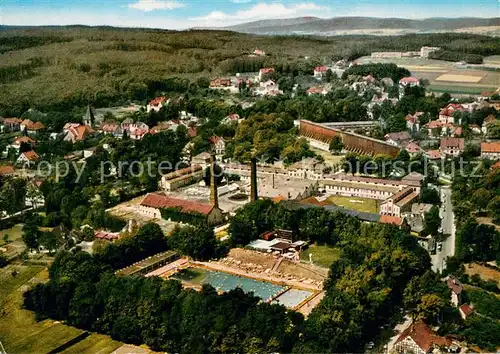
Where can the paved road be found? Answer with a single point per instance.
(448, 226)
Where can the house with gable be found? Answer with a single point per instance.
(157, 104)
(76, 132)
(28, 158)
(446, 113)
(320, 71)
(265, 71)
(419, 338)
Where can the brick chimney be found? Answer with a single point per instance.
(214, 197)
(253, 180)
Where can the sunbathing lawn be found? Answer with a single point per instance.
(322, 255)
(20, 333)
(355, 203)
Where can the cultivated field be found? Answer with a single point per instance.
(444, 76)
(20, 333)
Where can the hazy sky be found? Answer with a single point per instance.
(179, 14)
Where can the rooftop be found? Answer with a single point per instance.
(423, 336)
(160, 200)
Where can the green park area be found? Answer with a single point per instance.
(322, 255)
(355, 203)
(21, 333)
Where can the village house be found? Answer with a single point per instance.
(11, 124)
(419, 338)
(315, 90)
(488, 120)
(433, 154)
(451, 146)
(456, 288)
(259, 52)
(413, 148)
(7, 170)
(232, 118)
(465, 311)
(28, 158)
(398, 139)
(268, 88)
(31, 127)
(219, 146)
(137, 130)
(157, 104)
(180, 178)
(16, 144)
(108, 236)
(446, 114)
(202, 159)
(391, 220)
(409, 81)
(220, 82)
(265, 71)
(76, 132)
(152, 204)
(490, 150)
(436, 128)
(413, 121)
(368, 79)
(111, 128)
(320, 71)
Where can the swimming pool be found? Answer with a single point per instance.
(225, 282)
(292, 297)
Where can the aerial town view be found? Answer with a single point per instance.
(249, 176)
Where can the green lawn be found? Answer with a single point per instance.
(20, 333)
(14, 244)
(355, 203)
(322, 256)
(191, 275)
(459, 89)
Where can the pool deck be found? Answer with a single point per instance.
(257, 276)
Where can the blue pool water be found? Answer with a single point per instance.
(292, 297)
(225, 282)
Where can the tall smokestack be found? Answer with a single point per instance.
(214, 197)
(253, 180)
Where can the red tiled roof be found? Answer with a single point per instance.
(451, 108)
(490, 147)
(12, 121)
(321, 69)
(495, 166)
(157, 101)
(153, 200)
(6, 170)
(433, 154)
(389, 219)
(399, 136)
(31, 155)
(452, 142)
(413, 148)
(24, 139)
(266, 70)
(192, 132)
(454, 285)
(315, 90)
(106, 235)
(30, 125)
(407, 80)
(466, 309)
(423, 336)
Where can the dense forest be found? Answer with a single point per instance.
(58, 68)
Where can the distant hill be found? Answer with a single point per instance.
(344, 25)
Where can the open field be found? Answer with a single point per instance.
(20, 333)
(460, 78)
(355, 203)
(484, 272)
(322, 255)
(15, 244)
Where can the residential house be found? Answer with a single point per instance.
(11, 124)
(220, 82)
(268, 88)
(391, 220)
(111, 128)
(219, 146)
(320, 71)
(409, 81)
(265, 71)
(108, 236)
(456, 288)
(76, 132)
(6, 170)
(413, 148)
(16, 144)
(419, 338)
(436, 128)
(398, 139)
(315, 90)
(232, 118)
(465, 311)
(488, 120)
(446, 113)
(157, 104)
(490, 150)
(433, 154)
(457, 131)
(259, 52)
(413, 121)
(451, 146)
(400, 202)
(31, 127)
(137, 130)
(27, 158)
(369, 79)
